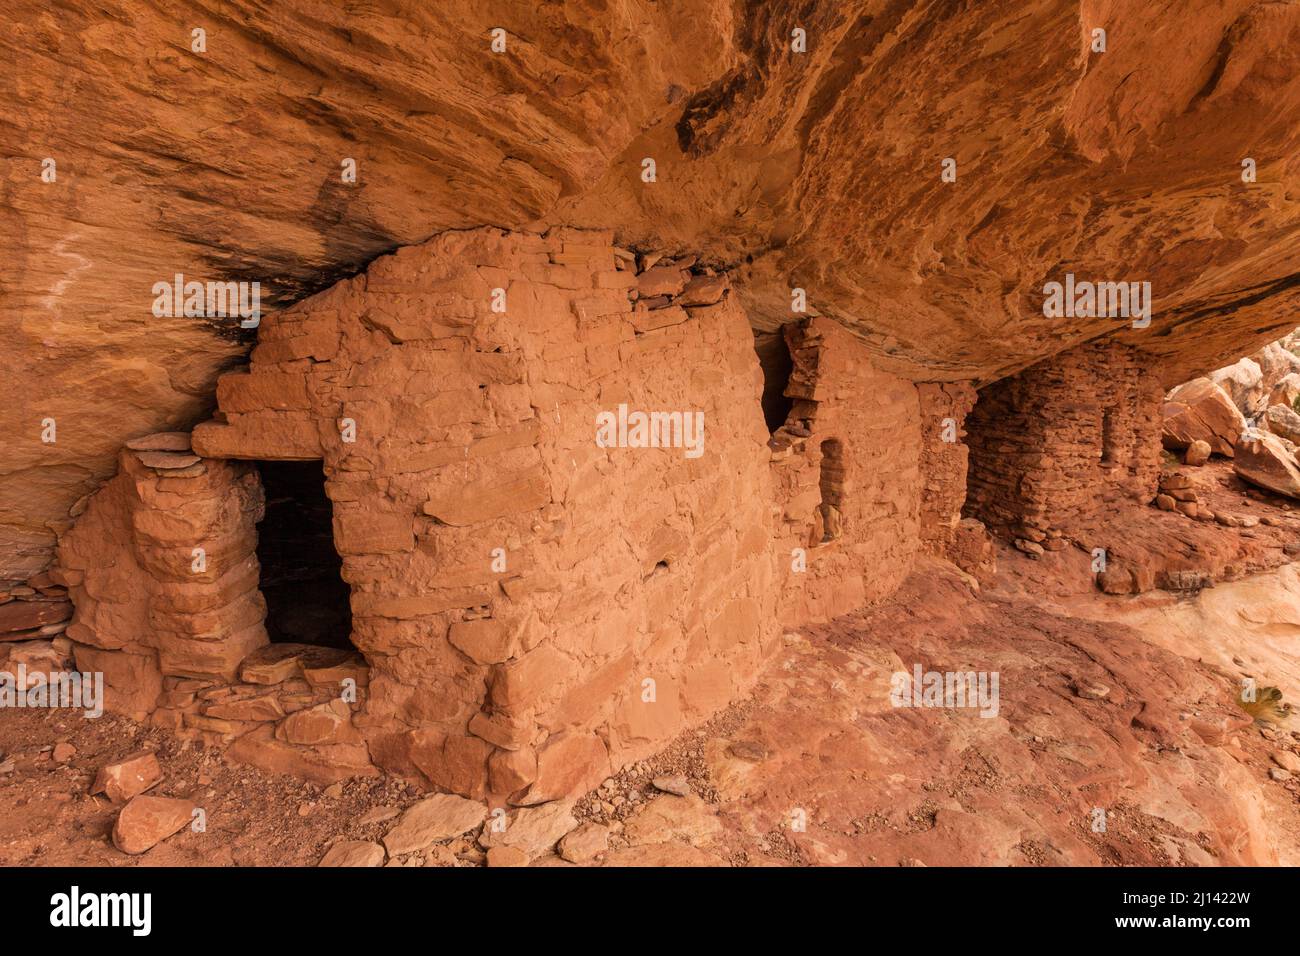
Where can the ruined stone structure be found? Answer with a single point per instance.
(944, 465)
(1063, 439)
(544, 587)
(848, 457)
(532, 605)
(179, 594)
(944, 458)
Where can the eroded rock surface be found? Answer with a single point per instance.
(819, 169)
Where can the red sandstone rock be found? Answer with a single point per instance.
(1287, 760)
(324, 765)
(657, 313)
(585, 844)
(276, 663)
(147, 821)
(1218, 730)
(511, 771)
(491, 442)
(1198, 453)
(353, 853)
(272, 663)
(531, 680)
(128, 777)
(357, 533)
(161, 441)
(702, 290)
(329, 723)
(486, 641)
(509, 733)
(567, 766)
(685, 819)
(1264, 461)
(18, 616)
(41, 658)
(490, 500)
(331, 673)
(1244, 383)
(167, 461)
(263, 707)
(1201, 410)
(662, 280)
(533, 830)
(132, 682)
(431, 820)
(499, 856)
(573, 137)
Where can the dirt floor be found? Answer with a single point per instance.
(1118, 705)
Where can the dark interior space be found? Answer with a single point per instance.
(774, 357)
(306, 596)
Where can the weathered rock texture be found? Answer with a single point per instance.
(534, 606)
(944, 460)
(1200, 410)
(163, 575)
(1266, 461)
(162, 571)
(819, 169)
(1061, 441)
(848, 458)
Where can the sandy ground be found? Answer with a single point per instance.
(1124, 706)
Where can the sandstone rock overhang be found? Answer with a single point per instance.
(820, 170)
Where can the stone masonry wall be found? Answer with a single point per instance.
(944, 455)
(944, 466)
(155, 606)
(534, 608)
(162, 571)
(875, 419)
(1059, 441)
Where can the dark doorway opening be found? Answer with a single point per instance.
(774, 358)
(306, 596)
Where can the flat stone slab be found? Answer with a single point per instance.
(439, 817)
(353, 853)
(167, 460)
(161, 441)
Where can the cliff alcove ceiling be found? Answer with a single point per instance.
(819, 170)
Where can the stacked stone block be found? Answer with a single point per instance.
(1056, 443)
